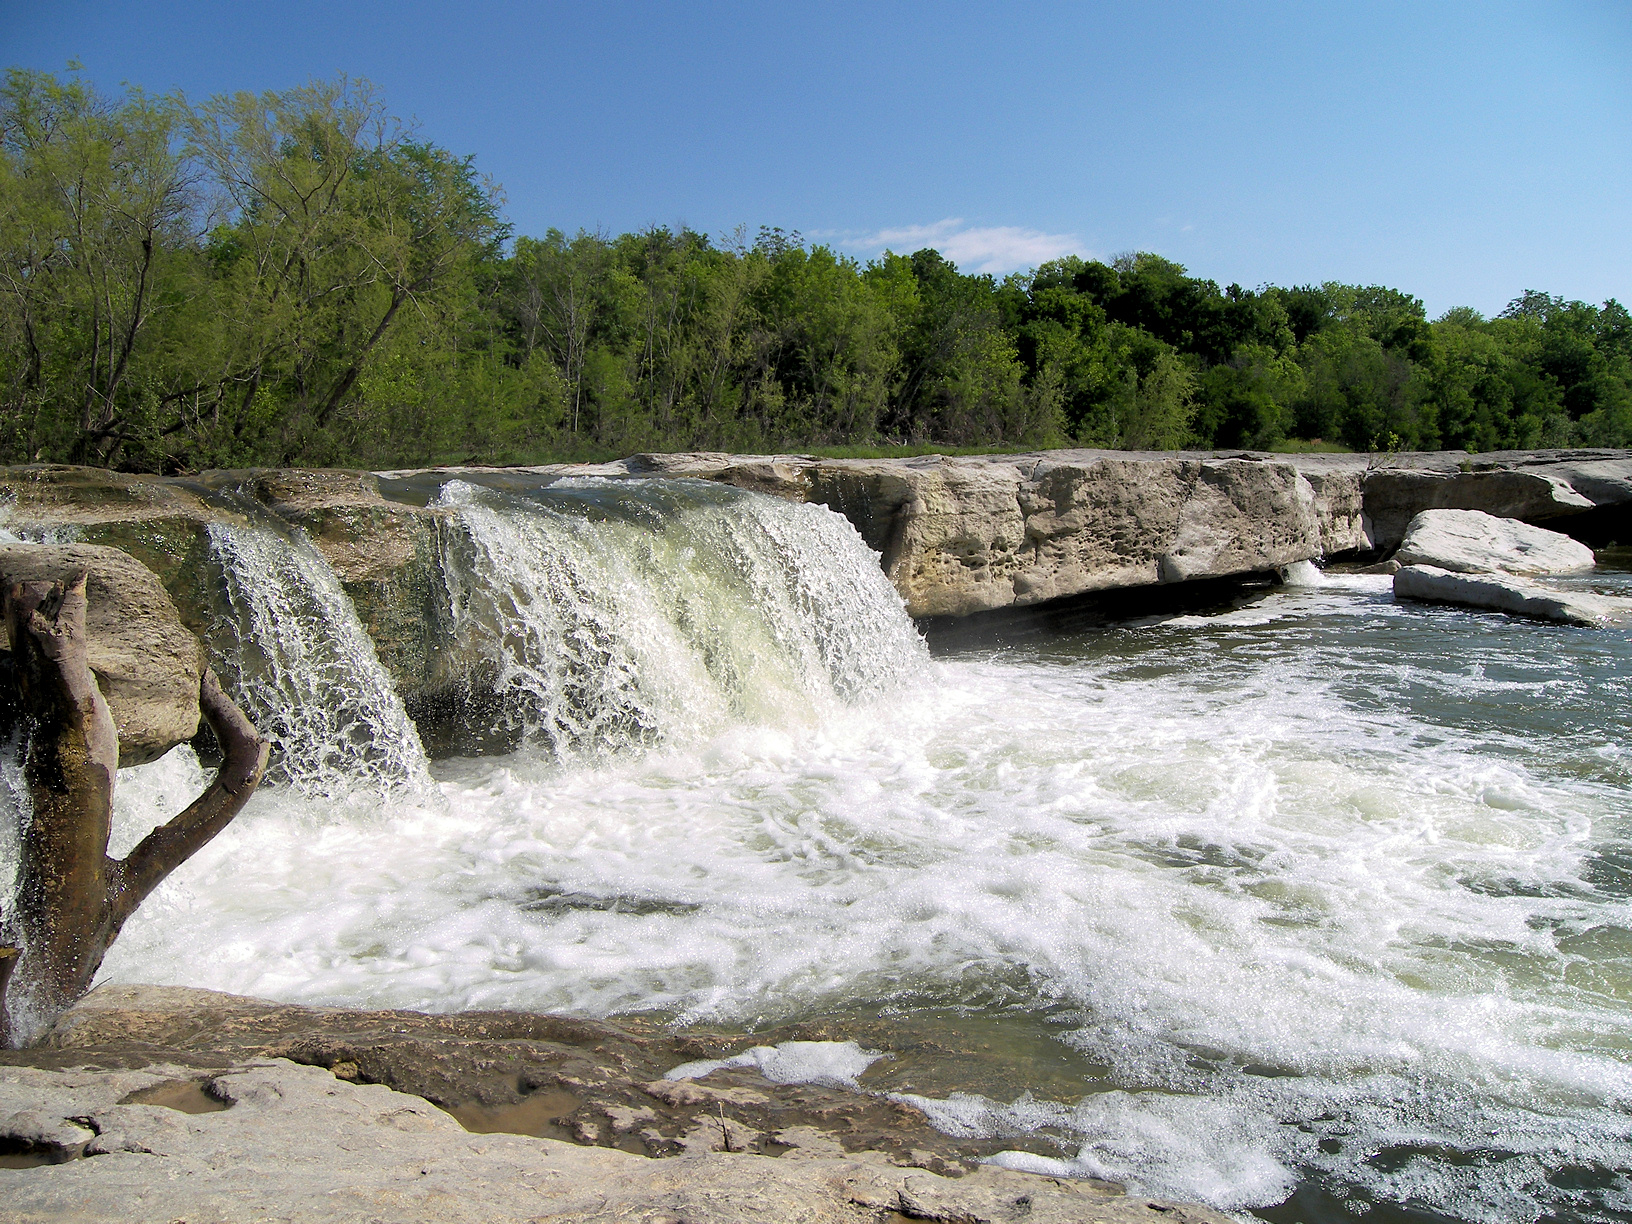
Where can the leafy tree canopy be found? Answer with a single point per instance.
(298, 277)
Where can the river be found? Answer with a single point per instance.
(1317, 907)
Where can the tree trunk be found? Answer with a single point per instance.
(72, 898)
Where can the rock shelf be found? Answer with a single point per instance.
(300, 1120)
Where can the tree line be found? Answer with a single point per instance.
(297, 278)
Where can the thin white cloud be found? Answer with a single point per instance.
(974, 248)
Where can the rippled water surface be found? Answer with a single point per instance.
(1319, 907)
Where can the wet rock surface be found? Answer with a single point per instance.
(1503, 593)
(576, 1080)
(297, 1143)
(318, 1113)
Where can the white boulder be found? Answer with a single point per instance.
(1473, 542)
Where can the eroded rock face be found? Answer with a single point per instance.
(957, 535)
(972, 538)
(1473, 542)
(385, 553)
(1535, 486)
(973, 533)
(387, 556)
(146, 662)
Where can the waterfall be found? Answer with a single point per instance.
(611, 614)
(300, 664)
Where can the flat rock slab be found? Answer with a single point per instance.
(146, 662)
(1473, 542)
(1430, 584)
(562, 1077)
(295, 1143)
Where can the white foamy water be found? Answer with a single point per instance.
(611, 618)
(792, 1062)
(1331, 891)
(300, 664)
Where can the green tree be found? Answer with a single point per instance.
(97, 211)
(338, 222)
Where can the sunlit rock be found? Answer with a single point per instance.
(145, 661)
(1473, 542)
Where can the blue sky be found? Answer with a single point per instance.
(1463, 152)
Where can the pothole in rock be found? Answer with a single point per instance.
(15, 1154)
(188, 1096)
(533, 1115)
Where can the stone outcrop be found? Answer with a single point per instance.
(970, 539)
(961, 534)
(957, 535)
(146, 662)
(975, 533)
(1473, 542)
(1499, 593)
(387, 555)
(310, 1137)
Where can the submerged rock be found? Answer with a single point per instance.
(1430, 584)
(146, 662)
(1473, 542)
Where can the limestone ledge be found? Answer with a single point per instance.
(965, 534)
(957, 535)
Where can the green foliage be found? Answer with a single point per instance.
(296, 277)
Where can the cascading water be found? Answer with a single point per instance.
(1326, 897)
(616, 615)
(301, 666)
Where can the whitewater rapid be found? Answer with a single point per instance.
(1324, 894)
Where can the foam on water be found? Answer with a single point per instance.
(835, 1063)
(1344, 892)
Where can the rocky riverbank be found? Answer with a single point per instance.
(166, 1103)
(956, 535)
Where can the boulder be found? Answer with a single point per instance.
(146, 662)
(1431, 584)
(1536, 486)
(1473, 542)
